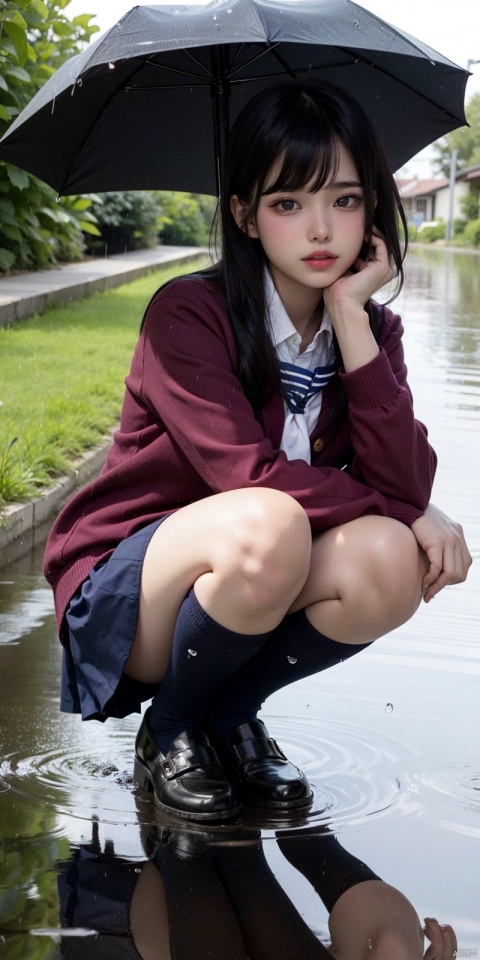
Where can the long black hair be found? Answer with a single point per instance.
(297, 129)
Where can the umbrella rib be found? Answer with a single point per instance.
(198, 62)
(166, 66)
(167, 86)
(287, 70)
(110, 99)
(282, 63)
(262, 53)
(392, 76)
(209, 73)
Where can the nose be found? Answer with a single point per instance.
(320, 228)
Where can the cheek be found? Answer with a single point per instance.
(355, 229)
(274, 230)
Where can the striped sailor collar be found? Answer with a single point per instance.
(281, 327)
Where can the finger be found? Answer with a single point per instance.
(442, 581)
(466, 560)
(450, 941)
(442, 939)
(453, 570)
(452, 562)
(435, 564)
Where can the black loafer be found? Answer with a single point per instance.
(188, 780)
(259, 770)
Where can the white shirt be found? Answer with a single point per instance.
(320, 352)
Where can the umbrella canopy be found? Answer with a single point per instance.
(148, 106)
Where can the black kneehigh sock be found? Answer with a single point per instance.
(295, 650)
(204, 655)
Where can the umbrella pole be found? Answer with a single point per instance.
(220, 93)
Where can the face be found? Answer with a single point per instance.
(310, 239)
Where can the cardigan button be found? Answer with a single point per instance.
(318, 446)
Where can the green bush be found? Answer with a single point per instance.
(128, 220)
(434, 232)
(35, 39)
(470, 205)
(472, 233)
(186, 218)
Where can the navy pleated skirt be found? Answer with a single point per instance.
(102, 621)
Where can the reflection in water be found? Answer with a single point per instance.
(204, 895)
(390, 739)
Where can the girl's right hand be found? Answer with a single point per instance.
(363, 281)
(443, 942)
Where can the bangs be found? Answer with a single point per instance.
(309, 159)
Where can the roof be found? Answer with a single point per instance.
(421, 188)
(469, 173)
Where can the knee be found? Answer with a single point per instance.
(396, 568)
(273, 544)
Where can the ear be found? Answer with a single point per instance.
(238, 208)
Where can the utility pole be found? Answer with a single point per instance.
(451, 194)
(453, 174)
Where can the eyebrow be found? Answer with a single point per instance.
(343, 184)
(336, 185)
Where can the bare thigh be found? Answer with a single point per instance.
(248, 555)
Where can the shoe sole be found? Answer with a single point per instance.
(143, 779)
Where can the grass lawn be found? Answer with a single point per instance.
(61, 381)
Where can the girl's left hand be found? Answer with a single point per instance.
(442, 939)
(447, 554)
(369, 276)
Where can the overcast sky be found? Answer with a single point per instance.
(451, 28)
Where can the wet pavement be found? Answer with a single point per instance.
(389, 741)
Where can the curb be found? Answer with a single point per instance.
(48, 290)
(24, 525)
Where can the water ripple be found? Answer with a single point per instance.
(449, 792)
(350, 770)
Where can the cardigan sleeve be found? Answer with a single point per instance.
(391, 449)
(189, 382)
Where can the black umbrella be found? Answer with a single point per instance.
(148, 106)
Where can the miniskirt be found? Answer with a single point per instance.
(102, 621)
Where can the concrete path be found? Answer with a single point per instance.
(23, 525)
(28, 293)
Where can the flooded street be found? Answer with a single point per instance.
(389, 741)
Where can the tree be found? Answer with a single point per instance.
(466, 140)
(36, 37)
(186, 217)
(127, 220)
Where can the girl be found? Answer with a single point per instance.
(264, 509)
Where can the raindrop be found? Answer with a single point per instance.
(369, 944)
(138, 870)
(388, 707)
(356, 23)
(292, 659)
(58, 199)
(79, 82)
(192, 653)
(111, 66)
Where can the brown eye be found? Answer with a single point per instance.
(286, 206)
(351, 200)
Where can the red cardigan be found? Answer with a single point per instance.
(188, 431)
